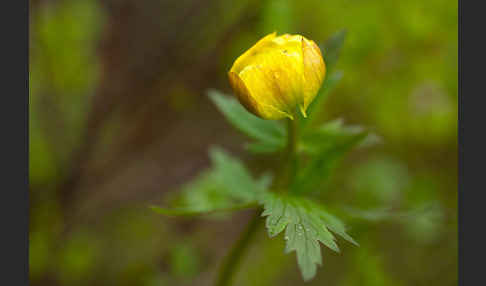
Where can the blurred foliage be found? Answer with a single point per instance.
(63, 64)
(137, 73)
(226, 186)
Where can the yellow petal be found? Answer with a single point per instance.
(248, 56)
(278, 76)
(258, 108)
(314, 70)
(242, 93)
(275, 76)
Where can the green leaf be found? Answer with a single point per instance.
(263, 148)
(332, 48)
(306, 224)
(379, 214)
(330, 82)
(226, 186)
(326, 146)
(330, 135)
(269, 132)
(235, 178)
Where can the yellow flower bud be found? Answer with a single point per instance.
(278, 76)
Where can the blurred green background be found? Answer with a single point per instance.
(119, 119)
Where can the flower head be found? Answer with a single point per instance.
(278, 76)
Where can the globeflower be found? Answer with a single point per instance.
(278, 76)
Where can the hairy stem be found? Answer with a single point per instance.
(288, 172)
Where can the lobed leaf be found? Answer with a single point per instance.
(306, 224)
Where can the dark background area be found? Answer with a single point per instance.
(119, 118)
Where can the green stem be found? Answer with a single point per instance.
(288, 172)
(291, 151)
(233, 259)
